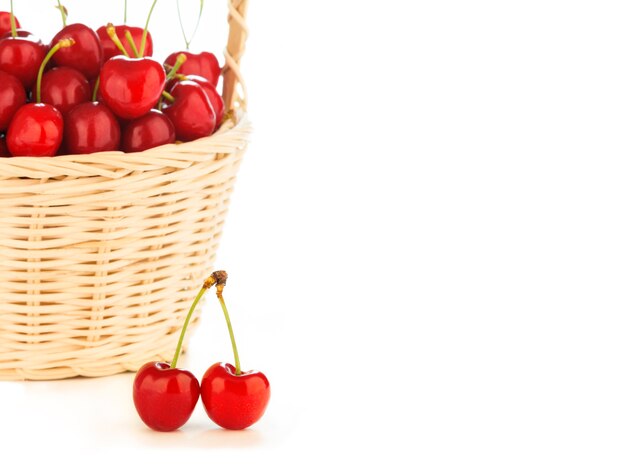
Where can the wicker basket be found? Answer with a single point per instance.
(101, 254)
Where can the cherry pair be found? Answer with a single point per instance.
(166, 396)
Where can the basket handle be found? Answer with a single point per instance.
(234, 92)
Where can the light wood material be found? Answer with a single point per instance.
(102, 254)
(235, 93)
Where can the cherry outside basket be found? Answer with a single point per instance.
(102, 254)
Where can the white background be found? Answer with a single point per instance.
(427, 244)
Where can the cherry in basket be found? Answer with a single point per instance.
(37, 128)
(21, 54)
(233, 399)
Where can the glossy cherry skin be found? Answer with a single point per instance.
(149, 131)
(191, 112)
(233, 401)
(91, 127)
(165, 397)
(64, 88)
(214, 97)
(35, 130)
(203, 64)
(85, 55)
(131, 86)
(110, 49)
(22, 56)
(12, 97)
(5, 22)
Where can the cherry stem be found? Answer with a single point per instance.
(182, 28)
(125, 10)
(13, 24)
(180, 59)
(144, 37)
(63, 14)
(63, 43)
(230, 331)
(208, 283)
(220, 281)
(131, 41)
(168, 96)
(96, 86)
(116, 40)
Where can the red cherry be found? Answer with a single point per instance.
(19, 33)
(165, 397)
(12, 97)
(36, 130)
(110, 49)
(64, 88)
(214, 97)
(203, 64)
(91, 127)
(22, 56)
(149, 131)
(131, 86)
(191, 112)
(5, 22)
(234, 401)
(85, 55)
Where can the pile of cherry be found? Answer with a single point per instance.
(166, 396)
(91, 91)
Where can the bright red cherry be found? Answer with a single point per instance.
(203, 64)
(191, 112)
(12, 97)
(165, 397)
(149, 131)
(64, 88)
(214, 97)
(5, 22)
(86, 54)
(35, 130)
(131, 86)
(234, 401)
(91, 127)
(22, 56)
(110, 49)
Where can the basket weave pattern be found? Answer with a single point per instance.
(102, 254)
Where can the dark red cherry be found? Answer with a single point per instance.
(20, 33)
(191, 112)
(22, 56)
(149, 131)
(4, 151)
(110, 49)
(131, 86)
(35, 130)
(5, 22)
(12, 97)
(85, 55)
(64, 88)
(203, 64)
(91, 127)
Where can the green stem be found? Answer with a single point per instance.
(168, 96)
(131, 42)
(62, 10)
(125, 9)
(232, 335)
(179, 347)
(144, 37)
(180, 59)
(13, 24)
(116, 40)
(63, 43)
(182, 27)
(96, 86)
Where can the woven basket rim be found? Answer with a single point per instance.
(180, 154)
